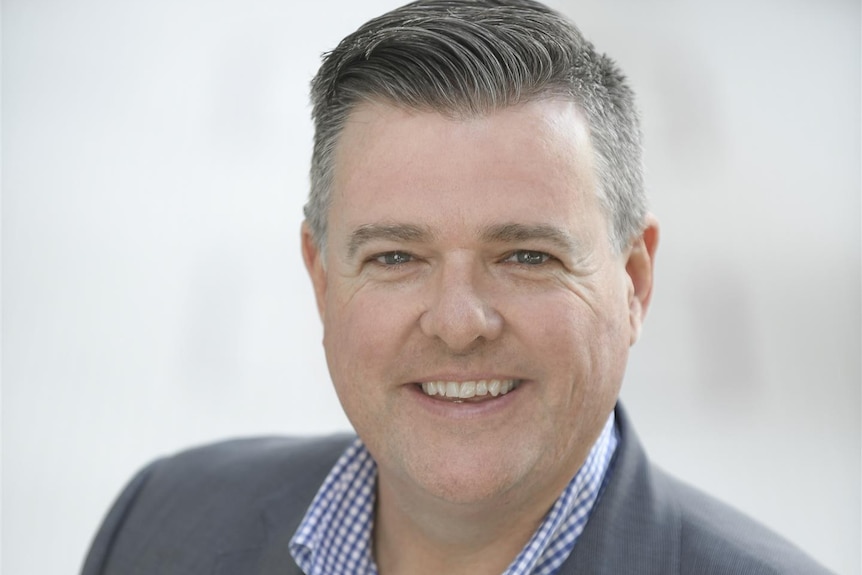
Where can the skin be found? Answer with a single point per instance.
(462, 250)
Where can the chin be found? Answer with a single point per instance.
(470, 476)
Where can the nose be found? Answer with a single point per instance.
(459, 311)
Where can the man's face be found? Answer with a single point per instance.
(467, 251)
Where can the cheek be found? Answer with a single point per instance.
(557, 324)
(348, 341)
(579, 339)
(360, 332)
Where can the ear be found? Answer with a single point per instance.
(313, 258)
(639, 267)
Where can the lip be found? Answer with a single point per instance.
(465, 410)
(461, 377)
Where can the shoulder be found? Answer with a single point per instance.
(182, 511)
(716, 538)
(245, 469)
(649, 522)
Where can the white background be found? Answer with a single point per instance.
(154, 161)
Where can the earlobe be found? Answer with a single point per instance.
(639, 267)
(313, 258)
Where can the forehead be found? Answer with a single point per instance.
(558, 124)
(532, 161)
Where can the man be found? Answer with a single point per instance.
(482, 259)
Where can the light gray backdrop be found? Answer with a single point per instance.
(154, 159)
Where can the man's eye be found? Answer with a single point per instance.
(393, 258)
(528, 257)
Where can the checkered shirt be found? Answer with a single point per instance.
(334, 537)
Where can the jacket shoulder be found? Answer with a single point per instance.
(648, 522)
(180, 512)
(716, 538)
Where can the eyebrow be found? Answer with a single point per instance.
(514, 233)
(499, 233)
(395, 232)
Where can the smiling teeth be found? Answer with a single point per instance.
(468, 389)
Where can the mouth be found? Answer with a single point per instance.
(468, 391)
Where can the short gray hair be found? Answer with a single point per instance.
(468, 58)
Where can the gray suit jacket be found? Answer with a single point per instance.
(231, 508)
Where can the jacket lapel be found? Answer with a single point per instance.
(270, 553)
(267, 551)
(633, 528)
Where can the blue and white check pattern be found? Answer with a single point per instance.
(334, 537)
